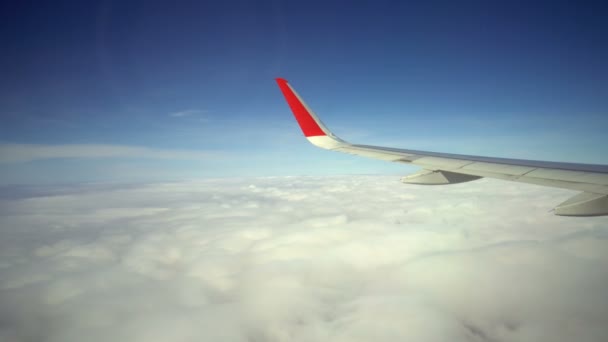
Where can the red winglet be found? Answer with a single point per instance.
(307, 123)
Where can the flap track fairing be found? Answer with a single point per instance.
(437, 177)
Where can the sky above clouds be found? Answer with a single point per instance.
(352, 258)
(509, 79)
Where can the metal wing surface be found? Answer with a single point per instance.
(445, 168)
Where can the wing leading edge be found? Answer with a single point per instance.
(447, 168)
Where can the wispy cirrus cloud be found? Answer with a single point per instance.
(187, 112)
(20, 153)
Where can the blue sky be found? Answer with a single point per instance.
(160, 90)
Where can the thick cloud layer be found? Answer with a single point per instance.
(301, 259)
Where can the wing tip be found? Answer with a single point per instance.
(304, 116)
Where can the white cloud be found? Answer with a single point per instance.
(18, 153)
(355, 258)
(183, 113)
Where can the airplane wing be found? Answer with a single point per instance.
(446, 168)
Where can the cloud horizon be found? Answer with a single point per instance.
(21, 153)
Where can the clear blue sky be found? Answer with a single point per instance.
(152, 90)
